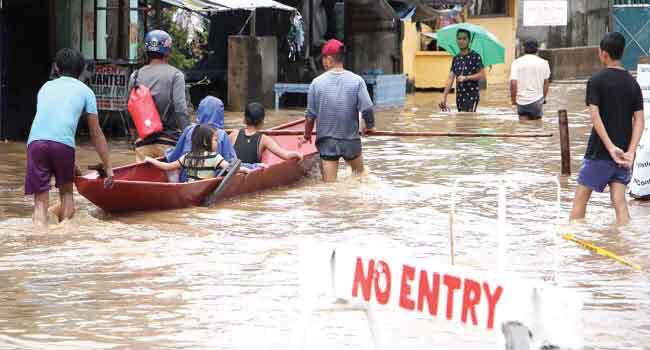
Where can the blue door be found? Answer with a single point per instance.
(632, 19)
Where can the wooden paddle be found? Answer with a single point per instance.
(216, 194)
(417, 134)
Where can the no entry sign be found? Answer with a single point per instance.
(462, 298)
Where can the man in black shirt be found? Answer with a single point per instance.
(616, 107)
(467, 69)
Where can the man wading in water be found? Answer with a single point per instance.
(334, 102)
(616, 105)
(167, 86)
(467, 69)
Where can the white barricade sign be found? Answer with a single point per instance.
(545, 13)
(640, 184)
(463, 298)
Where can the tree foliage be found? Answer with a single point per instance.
(185, 53)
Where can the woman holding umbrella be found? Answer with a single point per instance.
(467, 69)
(473, 48)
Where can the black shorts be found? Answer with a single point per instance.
(335, 149)
(467, 104)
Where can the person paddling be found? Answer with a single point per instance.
(334, 101)
(250, 143)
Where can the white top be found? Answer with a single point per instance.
(530, 71)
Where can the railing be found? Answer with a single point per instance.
(631, 3)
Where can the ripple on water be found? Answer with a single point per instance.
(228, 276)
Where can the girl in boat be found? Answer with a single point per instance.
(203, 161)
(210, 112)
(250, 143)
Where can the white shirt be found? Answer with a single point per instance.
(529, 71)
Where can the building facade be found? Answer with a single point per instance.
(105, 31)
(588, 21)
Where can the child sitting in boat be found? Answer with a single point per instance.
(250, 143)
(210, 112)
(203, 161)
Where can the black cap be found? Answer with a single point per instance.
(531, 45)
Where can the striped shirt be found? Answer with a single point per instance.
(335, 99)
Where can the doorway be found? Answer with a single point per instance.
(25, 63)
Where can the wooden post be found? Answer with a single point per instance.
(563, 122)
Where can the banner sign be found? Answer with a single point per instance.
(461, 298)
(110, 84)
(640, 184)
(545, 13)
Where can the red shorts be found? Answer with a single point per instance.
(44, 160)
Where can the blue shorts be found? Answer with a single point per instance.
(596, 174)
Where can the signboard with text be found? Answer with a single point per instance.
(640, 184)
(110, 84)
(545, 13)
(453, 297)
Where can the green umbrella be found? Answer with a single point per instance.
(485, 43)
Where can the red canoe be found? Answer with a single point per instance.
(142, 186)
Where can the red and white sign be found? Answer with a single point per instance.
(110, 84)
(459, 297)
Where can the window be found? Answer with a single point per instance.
(100, 29)
(101, 51)
(88, 31)
(488, 8)
(134, 31)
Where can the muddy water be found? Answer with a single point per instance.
(228, 277)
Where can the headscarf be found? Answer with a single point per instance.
(210, 111)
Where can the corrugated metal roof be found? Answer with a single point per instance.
(227, 5)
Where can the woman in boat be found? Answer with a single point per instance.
(204, 160)
(250, 143)
(210, 112)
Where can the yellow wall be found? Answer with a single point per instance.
(410, 46)
(504, 28)
(432, 69)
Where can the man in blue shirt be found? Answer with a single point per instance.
(51, 144)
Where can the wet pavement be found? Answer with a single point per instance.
(228, 277)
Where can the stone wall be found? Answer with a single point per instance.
(572, 63)
(252, 70)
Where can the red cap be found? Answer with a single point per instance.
(332, 47)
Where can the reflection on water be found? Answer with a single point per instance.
(227, 277)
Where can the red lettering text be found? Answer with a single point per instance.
(471, 297)
(492, 300)
(408, 273)
(382, 295)
(430, 293)
(452, 283)
(363, 280)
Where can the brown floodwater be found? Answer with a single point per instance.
(228, 277)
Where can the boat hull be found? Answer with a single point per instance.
(141, 186)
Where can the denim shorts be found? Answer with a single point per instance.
(596, 174)
(335, 149)
(533, 110)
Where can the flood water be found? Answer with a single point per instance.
(228, 277)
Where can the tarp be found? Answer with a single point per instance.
(227, 5)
